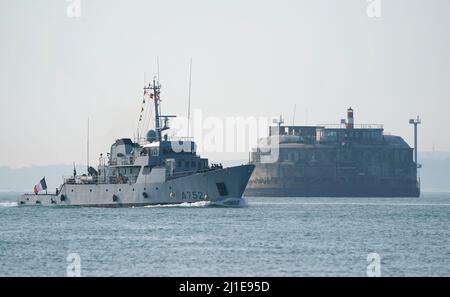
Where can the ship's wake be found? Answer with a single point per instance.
(181, 205)
(8, 204)
(229, 202)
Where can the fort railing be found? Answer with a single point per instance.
(355, 126)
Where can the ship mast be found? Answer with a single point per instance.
(161, 121)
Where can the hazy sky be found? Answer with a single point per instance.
(251, 58)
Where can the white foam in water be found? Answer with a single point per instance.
(8, 204)
(231, 202)
(184, 204)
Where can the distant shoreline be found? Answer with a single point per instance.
(434, 175)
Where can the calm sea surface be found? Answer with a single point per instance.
(270, 237)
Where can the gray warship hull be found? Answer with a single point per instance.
(221, 186)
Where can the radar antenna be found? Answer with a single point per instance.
(189, 100)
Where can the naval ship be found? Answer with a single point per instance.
(155, 170)
(344, 160)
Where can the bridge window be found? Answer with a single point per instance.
(146, 170)
(154, 151)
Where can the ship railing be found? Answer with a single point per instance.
(129, 160)
(189, 172)
(121, 179)
(144, 141)
(79, 179)
(180, 138)
(83, 179)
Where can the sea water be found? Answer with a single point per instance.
(268, 237)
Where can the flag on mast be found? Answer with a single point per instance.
(41, 186)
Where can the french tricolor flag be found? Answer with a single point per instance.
(42, 185)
